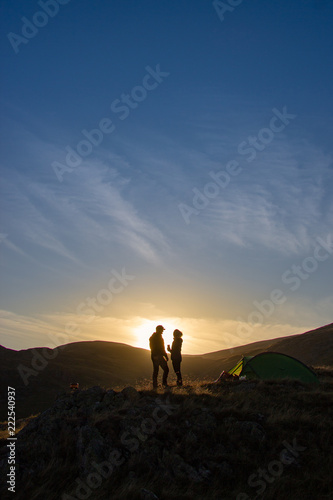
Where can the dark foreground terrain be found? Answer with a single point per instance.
(235, 440)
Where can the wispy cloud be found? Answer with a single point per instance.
(105, 200)
(201, 335)
(279, 206)
(19, 331)
(89, 209)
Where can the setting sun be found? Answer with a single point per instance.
(147, 328)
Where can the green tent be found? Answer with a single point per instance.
(272, 365)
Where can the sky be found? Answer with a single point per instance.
(167, 163)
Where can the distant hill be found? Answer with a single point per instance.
(111, 365)
(107, 364)
(314, 348)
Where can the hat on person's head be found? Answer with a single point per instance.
(160, 328)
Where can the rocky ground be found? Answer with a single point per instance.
(237, 440)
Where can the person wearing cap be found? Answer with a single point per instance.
(176, 356)
(159, 356)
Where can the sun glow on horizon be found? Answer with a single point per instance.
(148, 327)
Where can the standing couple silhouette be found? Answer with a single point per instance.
(160, 357)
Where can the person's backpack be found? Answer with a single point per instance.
(151, 341)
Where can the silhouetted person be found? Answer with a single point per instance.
(159, 356)
(176, 356)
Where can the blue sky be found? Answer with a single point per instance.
(181, 93)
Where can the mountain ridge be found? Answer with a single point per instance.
(39, 374)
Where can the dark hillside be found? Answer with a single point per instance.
(236, 440)
(313, 348)
(89, 363)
